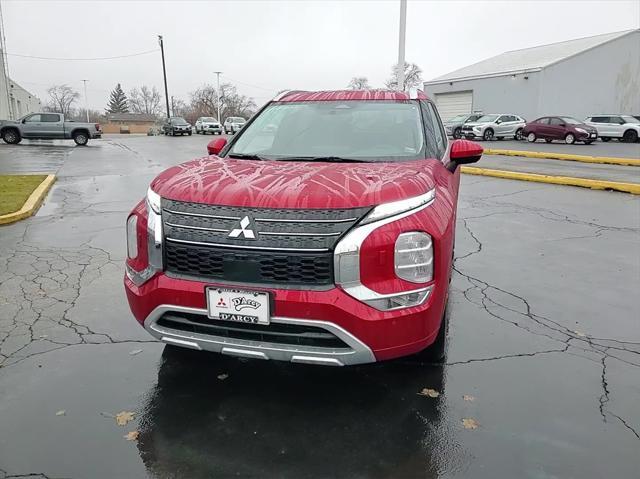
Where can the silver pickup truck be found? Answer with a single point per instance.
(48, 126)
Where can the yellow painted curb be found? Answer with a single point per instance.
(32, 204)
(633, 188)
(548, 155)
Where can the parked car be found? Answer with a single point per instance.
(563, 128)
(492, 126)
(321, 234)
(233, 124)
(176, 126)
(207, 124)
(453, 126)
(623, 127)
(48, 126)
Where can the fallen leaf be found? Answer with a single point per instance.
(222, 377)
(131, 436)
(432, 393)
(135, 351)
(61, 412)
(123, 417)
(580, 334)
(470, 423)
(467, 397)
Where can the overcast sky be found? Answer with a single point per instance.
(265, 46)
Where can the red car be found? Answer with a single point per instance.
(562, 128)
(322, 233)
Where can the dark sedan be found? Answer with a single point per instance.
(563, 128)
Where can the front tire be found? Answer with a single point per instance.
(81, 138)
(531, 137)
(11, 136)
(438, 350)
(487, 135)
(570, 139)
(518, 135)
(457, 133)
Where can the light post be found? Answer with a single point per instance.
(401, 41)
(86, 100)
(164, 72)
(218, 95)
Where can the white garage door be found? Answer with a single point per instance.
(452, 104)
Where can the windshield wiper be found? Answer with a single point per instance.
(243, 156)
(328, 159)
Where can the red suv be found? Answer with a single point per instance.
(322, 233)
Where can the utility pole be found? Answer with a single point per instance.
(401, 41)
(86, 101)
(173, 106)
(218, 95)
(164, 72)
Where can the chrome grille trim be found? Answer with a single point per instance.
(200, 228)
(287, 233)
(201, 215)
(275, 220)
(233, 246)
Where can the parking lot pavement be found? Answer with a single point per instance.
(544, 351)
(594, 171)
(612, 148)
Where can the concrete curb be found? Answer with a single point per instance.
(32, 204)
(562, 156)
(633, 188)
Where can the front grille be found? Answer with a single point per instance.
(467, 128)
(278, 333)
(254, 245)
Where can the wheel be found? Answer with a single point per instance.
(570, 139)
(488, 135)
(605, 139)
(531, 137)
(588, 142)
(81, 138)
(630, 136)
(457, 133)
(11, 136)
(189, 133)
(438, 349)
(548, 140)
(518, 135)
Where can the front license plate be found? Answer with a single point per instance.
(593, 135)
(238, 305)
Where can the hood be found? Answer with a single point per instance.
(475, 123)
(284, 184)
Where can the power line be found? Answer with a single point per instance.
(83, 59)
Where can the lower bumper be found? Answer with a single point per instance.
(96, 135)
(354, 352)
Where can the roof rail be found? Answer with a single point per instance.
(413, 93)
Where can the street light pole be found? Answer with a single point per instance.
(86, 100)
(218, 95)
(164, 72)
(401, 41)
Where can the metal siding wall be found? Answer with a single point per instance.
(452, 104)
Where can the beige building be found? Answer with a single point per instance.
(128, 123)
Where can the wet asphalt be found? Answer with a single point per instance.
(544, 348)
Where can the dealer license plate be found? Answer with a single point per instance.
(238, 305)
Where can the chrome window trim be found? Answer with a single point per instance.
(348, 250)
(358, 352)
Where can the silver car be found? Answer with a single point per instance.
(495, 125)
(233, 124)
(453, 126)
(208, 124)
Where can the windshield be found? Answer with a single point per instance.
(570, 121)
(630, 119)
(178, 121)
(487, 119)
(367, 131)
(236, 120)
(208, 119)
(457, 118)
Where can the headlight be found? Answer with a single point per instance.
(413, 257)
(132, 237)
(580, 130)
(386, 210)
(153, 200)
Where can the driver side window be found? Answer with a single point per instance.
(33, 119)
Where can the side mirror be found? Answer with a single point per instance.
(215, 146)
(463, 152)
(498, 122)
(562, 125)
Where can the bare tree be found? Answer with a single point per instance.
(204, 102)
(359, 83)
(80, 114)
(412, 76)
(62, 98)
(145, 100)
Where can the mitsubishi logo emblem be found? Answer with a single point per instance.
(244, 229)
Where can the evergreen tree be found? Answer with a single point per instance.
(118, 101)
